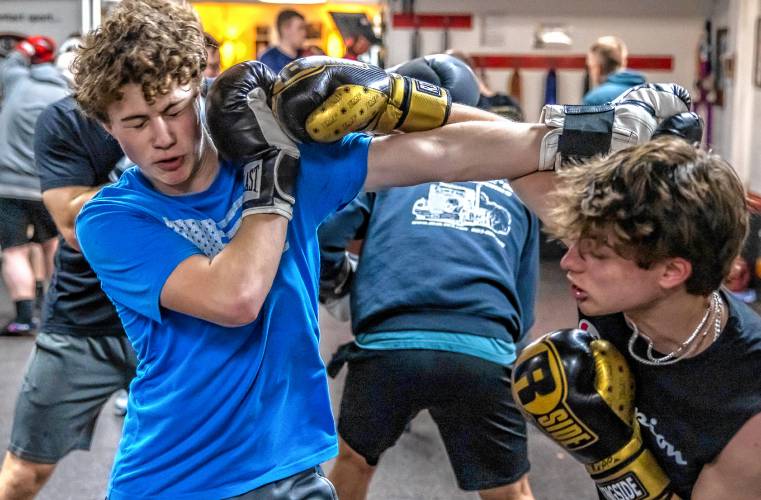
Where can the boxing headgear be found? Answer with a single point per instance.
(38, 48)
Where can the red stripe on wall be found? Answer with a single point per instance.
(526, 61)
(459, 21)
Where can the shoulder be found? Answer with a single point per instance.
(744, 326)
(59, 115)
(110, 211)
(269, 53)
(736, 472)
(598, 95)
(127, 195)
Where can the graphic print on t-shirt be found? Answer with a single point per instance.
(465, 208)
(209, 236)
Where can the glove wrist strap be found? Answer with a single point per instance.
(632, 471)
(578, 132)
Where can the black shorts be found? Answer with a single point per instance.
(469, 399)
(24, 221)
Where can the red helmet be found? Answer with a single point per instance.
(39, 49)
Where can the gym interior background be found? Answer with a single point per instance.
(711, 47)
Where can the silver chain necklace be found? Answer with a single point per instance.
(716, 306)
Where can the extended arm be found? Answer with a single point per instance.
(479, 150)
(736, 472)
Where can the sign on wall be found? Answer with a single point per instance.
(54, 18)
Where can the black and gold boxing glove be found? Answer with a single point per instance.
(321, 99)
(579, 391)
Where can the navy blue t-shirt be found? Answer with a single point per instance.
(72, 150)
(688, 411)
(275, 59)
(454, 258)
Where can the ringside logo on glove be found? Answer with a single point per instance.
(541, 388)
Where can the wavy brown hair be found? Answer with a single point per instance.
(152, 43)
(663, 199)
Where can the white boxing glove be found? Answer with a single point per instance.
(580, 132)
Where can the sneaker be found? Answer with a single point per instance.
(120, 403)
(15, 329)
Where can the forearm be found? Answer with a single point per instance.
(248, 264)
(230, 288)
(468, 151)
(461, 113)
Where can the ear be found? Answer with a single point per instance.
(107, 126)
(674, 272)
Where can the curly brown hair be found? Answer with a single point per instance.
(152, 43)
(662, 199)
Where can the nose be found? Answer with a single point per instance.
(163, 136)
(572, 260)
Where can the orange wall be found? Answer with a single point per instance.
(234, 25)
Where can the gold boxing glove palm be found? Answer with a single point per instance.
(321, 99)
(579, 391)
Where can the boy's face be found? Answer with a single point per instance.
(603, 282)
(163, 138)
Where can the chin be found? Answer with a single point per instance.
(589, 308)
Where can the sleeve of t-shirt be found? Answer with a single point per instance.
(58, 152)
(131, 252)
(332, 174)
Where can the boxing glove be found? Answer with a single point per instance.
(578, 390)
(444, 71)
(579, 132)
(688, 126)
(321, 99)
(245, 132)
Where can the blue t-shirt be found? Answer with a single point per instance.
(214, 411)
(615, 85)
(275, 59)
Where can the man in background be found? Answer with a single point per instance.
(81, 354)
(213, 65)
(292, 33)
(30, 82)
(608, 75)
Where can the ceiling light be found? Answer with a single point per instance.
(552, 37)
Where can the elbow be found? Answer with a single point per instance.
(70, 236)
(243, 307)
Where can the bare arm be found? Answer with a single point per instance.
(468, 151)
(229, 289)
(64, 204)
(464, 150)
(736, 472)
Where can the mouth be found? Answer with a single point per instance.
(170, 164)
(578, 293)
